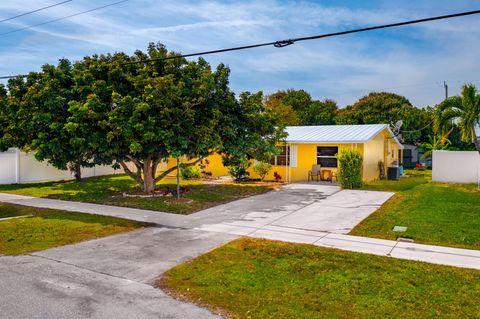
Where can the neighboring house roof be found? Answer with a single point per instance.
(335, 134)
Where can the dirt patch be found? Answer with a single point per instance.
(160, 192)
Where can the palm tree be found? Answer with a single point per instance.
(436, 143)
(465, 109)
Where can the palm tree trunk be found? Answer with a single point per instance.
(477, 144)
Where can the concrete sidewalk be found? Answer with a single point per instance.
(141, 215)
(464, 258)
(302, 213)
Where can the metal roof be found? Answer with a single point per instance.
(335, 134)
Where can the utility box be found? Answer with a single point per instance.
(393, 173)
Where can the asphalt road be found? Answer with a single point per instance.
(104, 278)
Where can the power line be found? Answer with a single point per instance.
(37, 10)
(62, 18)
(287, 42)
(421, 129)
(13, 76)
(277, 44)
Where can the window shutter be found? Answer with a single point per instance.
(293, 155)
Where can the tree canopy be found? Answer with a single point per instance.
(465, 109)
(114, 109)
(388, 108)
(251, 134)
(296, 107)
(39, 119)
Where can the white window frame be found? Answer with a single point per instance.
(327, 156)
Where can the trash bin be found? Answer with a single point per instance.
(393, 173)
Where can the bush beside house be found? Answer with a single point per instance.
(189, 172)
(350, 163)
(262, 169)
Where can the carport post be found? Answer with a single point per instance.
(289, 163)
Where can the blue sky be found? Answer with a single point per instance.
(412, 61)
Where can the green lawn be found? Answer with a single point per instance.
(435, 213)
(50, 228)
(109, 190)
(255, 278)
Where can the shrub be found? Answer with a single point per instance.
(262, 169)
(350, 164)
(277, 176)
(239, 173)
(237, 167)
(189, 172)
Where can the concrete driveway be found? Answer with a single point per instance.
(311, 207)
(111, 277)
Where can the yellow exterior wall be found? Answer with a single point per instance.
(373, 153)
(380, 148)
(215, 165)
(306, 158)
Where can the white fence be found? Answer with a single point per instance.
(20, 167)
(456, 166)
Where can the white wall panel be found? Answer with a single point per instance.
(456, 166)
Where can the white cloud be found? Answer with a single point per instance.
(412, 60)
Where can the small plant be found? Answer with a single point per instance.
(277, 177)
(189, 172)
(262, 169)
(350, 164)
(239, 173)
(436, 142)
(237, 168)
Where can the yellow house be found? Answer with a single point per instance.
(306, 146)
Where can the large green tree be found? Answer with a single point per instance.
(285, 113)
(388, 108)
(153, 111)
(4, 118)
(464, 109)
(296, 107)
(38, 115)
(125, 111)
(252, 131)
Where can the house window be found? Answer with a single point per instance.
(326, 156)
(281, 159)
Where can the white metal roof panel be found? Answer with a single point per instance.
(333, 134)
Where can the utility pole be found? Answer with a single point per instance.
(445, 85)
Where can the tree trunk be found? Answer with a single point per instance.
(145, 175)
(148, 177)
(77, 172)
